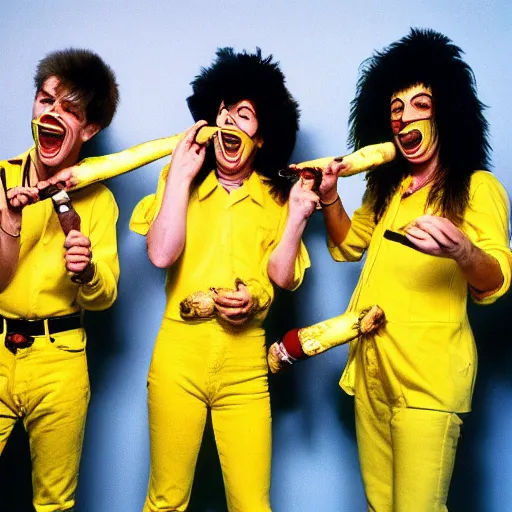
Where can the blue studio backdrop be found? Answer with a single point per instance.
(156, 48)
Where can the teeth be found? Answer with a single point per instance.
(48, 133)
(231, 142)
(49, 123)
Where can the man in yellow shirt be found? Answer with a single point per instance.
(221, 224)
(53, 277)
(414, 378)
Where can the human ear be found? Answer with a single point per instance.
(89, 131)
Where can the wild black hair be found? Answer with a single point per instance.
(91, 82)
(429, 58)
(237, 76)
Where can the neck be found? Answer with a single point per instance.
(41, 171)
(422, 174)
(232, 181)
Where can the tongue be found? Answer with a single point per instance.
(50, 143)
(411, 139)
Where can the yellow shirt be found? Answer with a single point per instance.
(426, 350)
(228, 236)
(41, 287)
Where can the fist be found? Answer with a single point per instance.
(78, 256)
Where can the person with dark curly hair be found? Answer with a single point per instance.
(52, 276)
(223, 225)
(434, 226)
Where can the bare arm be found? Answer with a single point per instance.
(166, 237)
(440, 237)
(337, 222)
(11, 204)
(9, 247)
(302, 204)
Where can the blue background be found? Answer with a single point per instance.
(156, 48)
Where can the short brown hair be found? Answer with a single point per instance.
(91, 81)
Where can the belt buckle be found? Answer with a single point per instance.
(16, 340)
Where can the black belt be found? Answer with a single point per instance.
(20, 332)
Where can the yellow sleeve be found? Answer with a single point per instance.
(262, 295)
(147, 208)
(487, 225)
(358, 238)
(101, 292)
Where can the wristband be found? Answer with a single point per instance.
(323, 205)
(10, 234)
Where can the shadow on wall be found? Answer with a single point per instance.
(490, 326)
(289, 310)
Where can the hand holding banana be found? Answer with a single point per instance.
(92, 170)
(364, 159)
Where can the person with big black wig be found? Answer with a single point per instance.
(228, 229)
(434, 226)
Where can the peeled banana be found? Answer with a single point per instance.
(91, 170)
(364, 159)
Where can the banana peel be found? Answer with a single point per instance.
(299, 344)
(201, 304)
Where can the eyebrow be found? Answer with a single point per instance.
(248, 107)
(413, 98)
(421, 94)
(45, 92)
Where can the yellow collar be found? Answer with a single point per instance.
(252, 187)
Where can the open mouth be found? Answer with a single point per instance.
(50, 134)
(231, 143)
(410, 140)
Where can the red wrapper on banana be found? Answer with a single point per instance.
(94, 169)
(299, 344)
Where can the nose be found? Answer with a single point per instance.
(410, 114)
(226, 119)
(54, 108)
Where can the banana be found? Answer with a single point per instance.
(312, 340)
(201, 304)
(94, 169)
(101, 168)
(364, 159)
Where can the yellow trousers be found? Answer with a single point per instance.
(227, 374)
(47, 387)
(406, 454)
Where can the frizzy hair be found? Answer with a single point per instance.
(429, 58)
(237, 76)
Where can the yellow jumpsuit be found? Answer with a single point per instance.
(47, 385)
(412, 379)
(204, 364)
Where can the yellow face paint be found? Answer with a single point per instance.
(418, 141)
(237, 144)
(49, 125)
(234, 148)
(413, 123)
